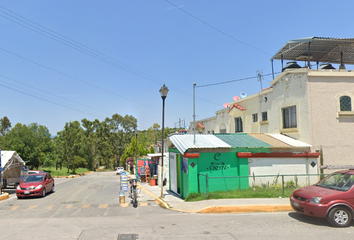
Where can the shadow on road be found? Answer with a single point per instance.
(310, 220)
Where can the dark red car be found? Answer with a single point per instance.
(331, 198)
(35, 185)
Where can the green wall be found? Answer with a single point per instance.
(215, 164)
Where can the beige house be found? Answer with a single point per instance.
(311, 105)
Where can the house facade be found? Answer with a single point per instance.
(311, 105)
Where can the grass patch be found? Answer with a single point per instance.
(63, 172)
(244, 193)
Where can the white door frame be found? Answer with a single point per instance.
(173, 172)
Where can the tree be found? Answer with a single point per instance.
(131, 150)
(121, 129)
(69, 141)
(77, 162)
(89, 141)
(31, 142)
(153, 133)
(5, 126)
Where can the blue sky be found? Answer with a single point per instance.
(69, 60)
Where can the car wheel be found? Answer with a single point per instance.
(18, 197)
(43, 192)
(52, 190)
(340, 217)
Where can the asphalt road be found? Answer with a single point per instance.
(88, 208)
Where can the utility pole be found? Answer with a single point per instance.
(194, 108)
(259, 73)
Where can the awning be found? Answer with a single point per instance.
(318, 49)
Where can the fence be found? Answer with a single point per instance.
(207, 184)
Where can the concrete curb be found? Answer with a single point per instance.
(4, 196)
(246, 209)
(223, 209)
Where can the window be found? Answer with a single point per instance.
(345, 103)
(238, 124)
(222, 128)
(255, 117)
(289, 117)
(264, 116)
(212, 131)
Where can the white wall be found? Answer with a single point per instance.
(282, 166)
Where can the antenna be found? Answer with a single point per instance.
(226, 105)
(235, 98)
(243, 95)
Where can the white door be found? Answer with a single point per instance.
(173, 171)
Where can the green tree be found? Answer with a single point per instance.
(77, 162)
(153, 133)
(5, 126)
(121, 132)
(69, 141)
(31, 142)
(131, 150)
(89, 141)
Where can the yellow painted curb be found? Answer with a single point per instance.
(223, 209)
(246, 209)
(4, 196)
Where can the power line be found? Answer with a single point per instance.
(230, 81)
(79, 80)
(26, 92)
(21, 83)
(216, 29)
(22, 21)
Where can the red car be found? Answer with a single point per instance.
(331, 198)
(35, 185)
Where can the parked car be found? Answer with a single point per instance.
(331, 198)
(35, 185)
(119, 170)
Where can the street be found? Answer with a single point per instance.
(88, 208)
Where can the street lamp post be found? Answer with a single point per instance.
(163, 91)
(136, 138)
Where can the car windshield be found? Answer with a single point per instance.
(338, 181)
(34, 178)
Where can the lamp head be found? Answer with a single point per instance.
(163, 91)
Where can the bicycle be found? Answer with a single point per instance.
(134, 191)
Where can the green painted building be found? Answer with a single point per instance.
(221, 157)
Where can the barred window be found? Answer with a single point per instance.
(264, 116)
(345, 103)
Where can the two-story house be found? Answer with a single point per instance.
(313, 103)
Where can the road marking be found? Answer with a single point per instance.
(103, 206)
(50, 207)
(124, 204)
(86, 205)
(32, 207)
(69, 206)
(14, 208)
(143, 204)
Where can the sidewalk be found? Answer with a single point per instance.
(173, 202)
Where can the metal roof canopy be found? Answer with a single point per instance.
(317, 49)
(184, 142)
